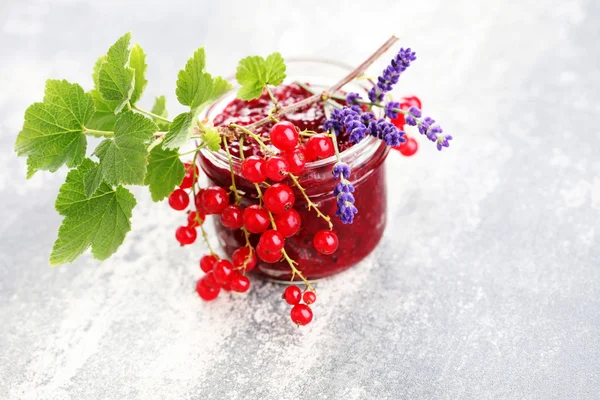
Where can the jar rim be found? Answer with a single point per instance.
(351, 152)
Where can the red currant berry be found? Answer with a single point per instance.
(309, 297)
(279, 198)
(319, 147)
(207, 262)
(296, 160)
(256, 219)
(206, 292)
(288, 222)
(277, 168)
(284, 135)
(191, 173)
(226, 287)
(198, 200)
(267, 256)
(253, 169)
(409, 147)
(239, 283)
(185, 235)
(292, 295)
(412, 101)
(214, 200)
(301, 314)
(196, 218)
(326, 242)
(222, 271)
(244, 255)
(272, 241)
(179, 200)
(231, 217)
(210, 281)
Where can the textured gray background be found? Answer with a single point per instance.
(486, 284)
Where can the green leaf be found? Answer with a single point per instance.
(96, 73)
(101, 221)
(160, 109)
(137, 61)
(212, 139)
(220, 87)
(123, 158)
(180, 130)
(191, 79)
(195, 87)
(275, 67)
(254, 73)
(52, 134)
(92, 181)
(116, 79)
(165, 172)
(104, 118)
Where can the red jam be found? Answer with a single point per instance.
(356, 241)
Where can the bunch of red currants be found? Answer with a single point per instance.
(274, 218)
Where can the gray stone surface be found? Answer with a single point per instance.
(486, 285)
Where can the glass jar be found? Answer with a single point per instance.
(366, 159)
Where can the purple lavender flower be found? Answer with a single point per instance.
(413, 114)
(391, 74)
(341, 169)
(389, 109)
(386, 131)
(343, 193)
(352, 98)
(347, 119)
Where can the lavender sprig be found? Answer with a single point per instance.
(426, 126)
(391, 74)
(358, 126)
(343, 192)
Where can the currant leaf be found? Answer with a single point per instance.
(160, 108)
(212, 139)
(52, 134)
(123, 158)
(165, 172)
(101, 221)
(115, 78)
(180, 130)
(275, 69)
(137, 61)
(254, 73)
(104, 118)
(195, 87)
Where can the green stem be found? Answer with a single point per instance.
(155, 143)
(151, 114)
(252, 135)
(95, 132)
(296, 271)
(273, 99)
(309, 202)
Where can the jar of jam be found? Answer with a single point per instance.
(366, 159)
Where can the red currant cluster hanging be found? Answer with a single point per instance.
(273, 218)
(301, 314)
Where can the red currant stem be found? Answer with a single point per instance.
(313, 90)
(296, 271)
(151, 114)
(95, 132)
(252, 135)
(203, 145)
(242, 156)
(309, 202)
(204, 235)
(326, 94)
(155, 143)
(238, 199)
(273, 99)
(273, 118)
